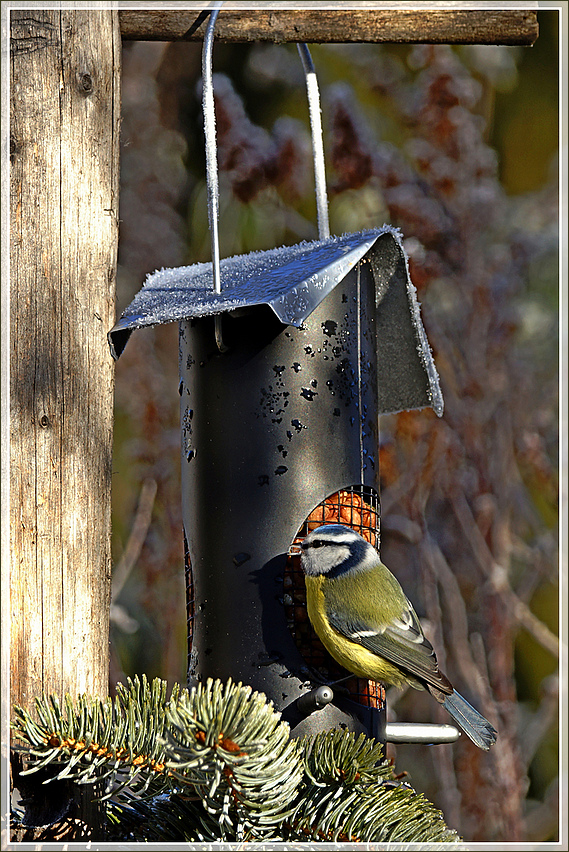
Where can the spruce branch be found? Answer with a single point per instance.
(90, 740)
(230, 745)
(349, 794)
(166, 817)
(218, 764)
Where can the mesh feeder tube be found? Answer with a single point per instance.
(279, 433)
(281, 421)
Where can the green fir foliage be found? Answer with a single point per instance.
(216, 763)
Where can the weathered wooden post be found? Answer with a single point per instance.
(64, 186)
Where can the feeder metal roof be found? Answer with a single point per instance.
(292, 280)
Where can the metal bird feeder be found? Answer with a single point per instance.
(287, 359)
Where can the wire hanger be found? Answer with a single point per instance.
(212, 179)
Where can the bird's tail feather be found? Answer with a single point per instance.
(470, 720)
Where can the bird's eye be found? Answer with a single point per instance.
(317, 543)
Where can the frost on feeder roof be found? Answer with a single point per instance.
(293, 280)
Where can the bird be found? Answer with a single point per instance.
(366, 622)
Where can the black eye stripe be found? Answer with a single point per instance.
(327, 542)
(323, 542)
(316, 543)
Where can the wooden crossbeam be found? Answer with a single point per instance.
(427, 26)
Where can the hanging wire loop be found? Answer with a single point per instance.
(212, 179)
(317, 142)
(208, 105)
(211, 147)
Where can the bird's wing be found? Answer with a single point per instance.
(402, 642)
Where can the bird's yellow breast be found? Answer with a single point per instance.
(351, 655)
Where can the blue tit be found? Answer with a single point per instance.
(365, 621)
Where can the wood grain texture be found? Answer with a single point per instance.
(449, 26)
(65, 108)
